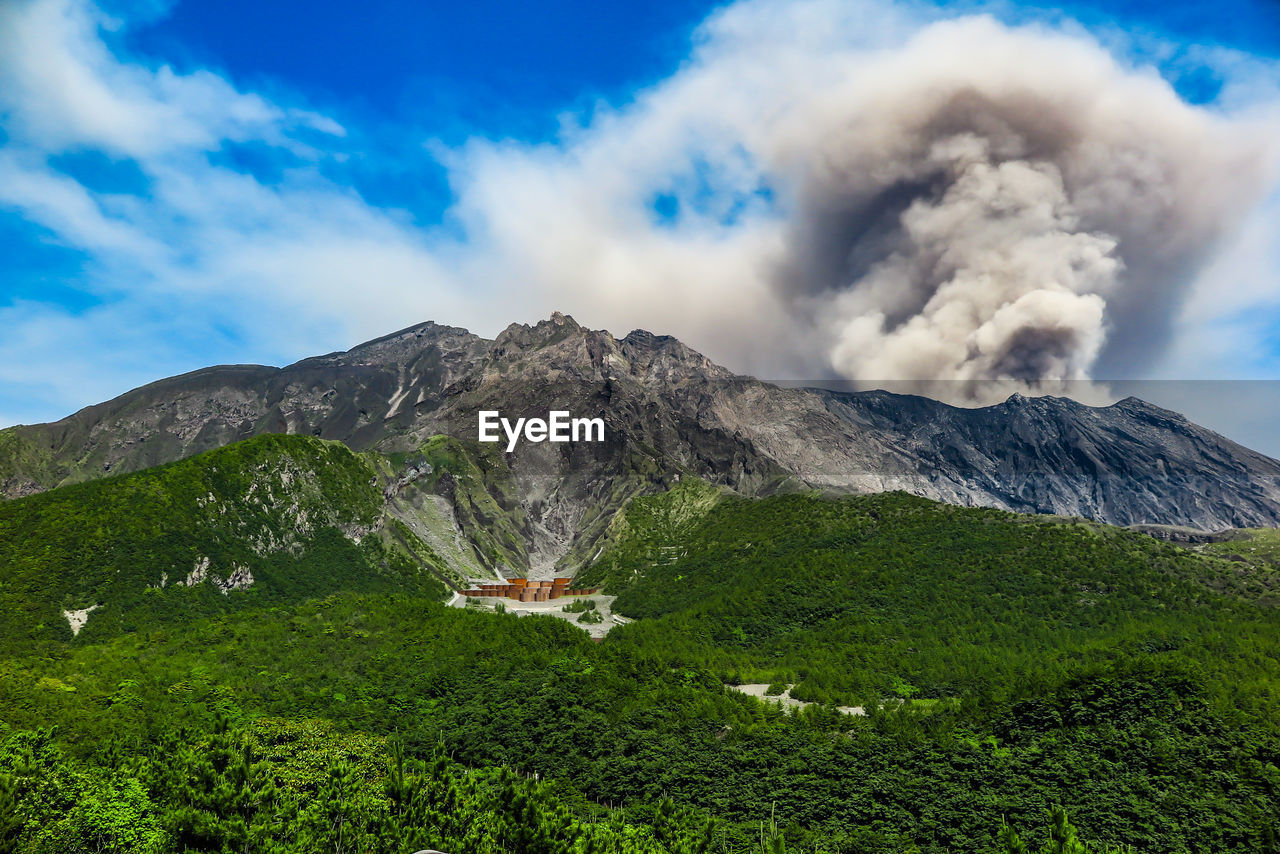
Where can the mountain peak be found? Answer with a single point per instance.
(643, 337)
(399, 346)
(522, 336)
(1137, 406)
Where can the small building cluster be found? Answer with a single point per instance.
(524, 590)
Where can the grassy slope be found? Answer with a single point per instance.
(650, 531)
(22, 460)
(1258, 546)
(301, 515)
(484, 498)
(895, 596)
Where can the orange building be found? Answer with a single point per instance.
(524, 590)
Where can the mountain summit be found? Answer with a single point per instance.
(669, 411)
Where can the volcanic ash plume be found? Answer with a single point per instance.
(995, 210)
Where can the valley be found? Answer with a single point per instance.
(555, 608)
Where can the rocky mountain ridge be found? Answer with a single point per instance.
(669, 412)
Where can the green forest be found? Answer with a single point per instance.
(1028, 684)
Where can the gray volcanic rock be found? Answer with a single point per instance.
(669, 411)
(1124, 464)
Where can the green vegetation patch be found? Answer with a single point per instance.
(23, 462)
(650, 530)
(276, 518)
(476, 478)
(864, 598)
(1264, 543)
(1008, 666)
(337, 679)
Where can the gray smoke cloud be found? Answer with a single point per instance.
(963, 203)
(996, 210)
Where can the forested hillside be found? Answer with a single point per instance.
(275, 519)
(1008, 665)
(892, 596)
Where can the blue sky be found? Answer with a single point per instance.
(405, 71)
(195, 182)
(494, 68)
(504, 69)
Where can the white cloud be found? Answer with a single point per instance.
(68, 209)
(62, 88)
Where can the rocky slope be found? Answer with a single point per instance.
(669, 411)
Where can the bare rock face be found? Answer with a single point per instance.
(669, 411)
(1125, 464)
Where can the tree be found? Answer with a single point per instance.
(224, 798)
(1062, 839)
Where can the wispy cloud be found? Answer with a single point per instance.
(64, 89)
(203, 261)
